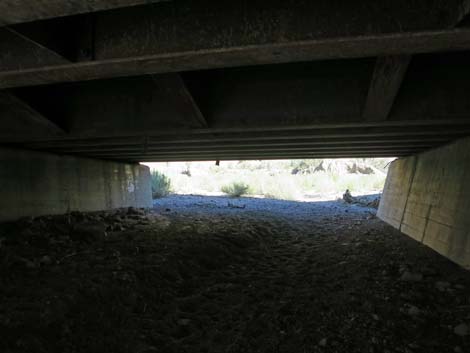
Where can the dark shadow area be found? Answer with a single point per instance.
(215, 274)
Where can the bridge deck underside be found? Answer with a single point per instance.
(138, 80)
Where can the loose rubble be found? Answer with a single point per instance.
(197, 275)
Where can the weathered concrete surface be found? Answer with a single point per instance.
(427, 197)
(34, 183)
(18, 11)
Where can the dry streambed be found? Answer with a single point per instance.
(208, 275)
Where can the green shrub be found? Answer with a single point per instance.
(235, 189)
(161, 185)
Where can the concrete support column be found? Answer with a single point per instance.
(36, 183)
(427, 197)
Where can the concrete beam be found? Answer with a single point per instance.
(256, 54)
(275, 152)
(389, 129)
(264, 150)
(19, 119)
(18, 11)
(463, 11)
(19, 52)
(285, 32)
(388, 75)
(177, 89)
(262, 157)
(261, 144)
(135, 105)
(189, 25)
(339, 141)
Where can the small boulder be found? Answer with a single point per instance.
(45, 260)
(135, 211)
(442, 286)
(412, 310)
(408, 276)
(89, 231)
(462, 330)
(323, 342)
(184, 322)
(31, 265)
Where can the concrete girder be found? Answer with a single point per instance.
(20, 118)
(324, 49)
(389, 73)
(18, 11)
(392, 130)
(261, 145)
(188, 35)
(236, 157)
(19, 52)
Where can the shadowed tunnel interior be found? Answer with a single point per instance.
(90, 89)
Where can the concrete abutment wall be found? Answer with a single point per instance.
(427, 197)
(36, 183)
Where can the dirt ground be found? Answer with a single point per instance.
(211, 274)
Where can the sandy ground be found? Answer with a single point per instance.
(211, 274)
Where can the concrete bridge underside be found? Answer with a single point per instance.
(151, 80)
(135, 80)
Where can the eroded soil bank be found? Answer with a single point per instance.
(201, 274)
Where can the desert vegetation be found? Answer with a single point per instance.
(286, 180)
(235, 189)
(161, 184)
